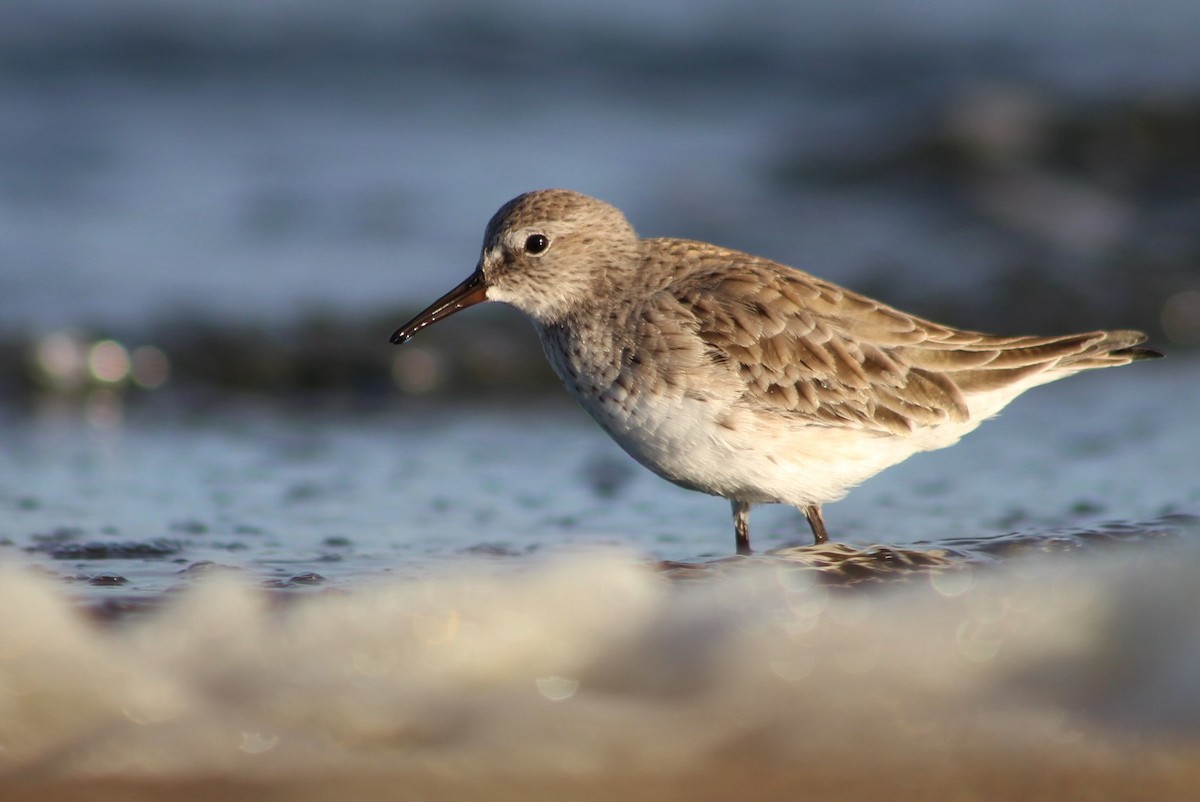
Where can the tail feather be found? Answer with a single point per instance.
(1023, 363)
(1016, 364)
(1136, 354)
(1112, 348)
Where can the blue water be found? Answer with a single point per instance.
(355, 495)
(252, 162)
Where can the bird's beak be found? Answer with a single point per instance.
(469, 293)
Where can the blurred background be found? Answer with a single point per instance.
(251, 197)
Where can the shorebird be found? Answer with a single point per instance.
(737, 376)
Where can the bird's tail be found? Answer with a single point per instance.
(1108, 348)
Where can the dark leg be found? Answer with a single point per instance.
(741, 526)
(813, 513)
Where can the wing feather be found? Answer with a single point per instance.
(803, 346)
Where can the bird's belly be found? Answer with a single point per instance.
(718, 448)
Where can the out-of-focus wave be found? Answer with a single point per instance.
(591, 673)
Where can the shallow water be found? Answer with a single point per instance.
(331, 497)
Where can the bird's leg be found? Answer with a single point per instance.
(741, 526)
(813, 513)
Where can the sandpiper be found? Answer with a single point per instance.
(738, 376)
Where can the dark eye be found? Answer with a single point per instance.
(536, 243)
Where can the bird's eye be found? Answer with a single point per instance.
(536, 243)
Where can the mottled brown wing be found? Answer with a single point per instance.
(808, 347)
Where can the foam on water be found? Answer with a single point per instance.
(589, 674)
